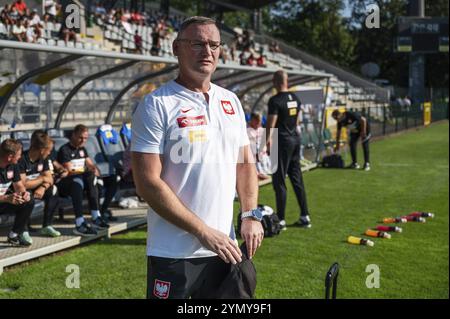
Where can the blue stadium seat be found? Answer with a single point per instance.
(125, 134)
(111, 146)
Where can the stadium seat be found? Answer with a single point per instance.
(111, 146)
(96, 154)
(125, 134)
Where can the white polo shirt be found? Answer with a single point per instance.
(200, 144)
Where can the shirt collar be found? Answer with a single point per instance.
(178, 87)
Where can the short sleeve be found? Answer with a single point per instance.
(273, 107)
(22, 166)
(148, 127)
(63, 155)
(46, 166)
(16, 173)
(86, 154)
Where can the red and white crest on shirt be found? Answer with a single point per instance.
(187, 121)
(9, 174)
(227, 107)
(81, 153)
(40, 167)
(161, 289)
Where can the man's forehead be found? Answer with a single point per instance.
(207, 31)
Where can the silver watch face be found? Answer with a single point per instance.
(257, 214)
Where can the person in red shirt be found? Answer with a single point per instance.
(21, 6)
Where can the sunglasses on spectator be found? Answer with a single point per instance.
(199, 45)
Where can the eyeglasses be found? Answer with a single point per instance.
(199, 45)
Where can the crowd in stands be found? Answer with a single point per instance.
(23, 24)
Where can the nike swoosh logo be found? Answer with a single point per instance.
(186, 110)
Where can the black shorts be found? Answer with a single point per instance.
(196, 278)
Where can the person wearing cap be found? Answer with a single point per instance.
(358, 127)
(283, 114)
(190, 153)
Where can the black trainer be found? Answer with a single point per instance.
(18, 241)
(304, 222)
(108, 216)
(85, 229)
(100, 223)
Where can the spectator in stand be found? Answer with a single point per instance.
(36, 23)
(67, 34)
(274, 47)
(5, 17)
(126, 16)
(19, 31)
(51, 10)
(30, 34)
(14, 14)
(21, 7)
(261, 61)
(111, 17)
(156, 41)
(251, 60)
(138, 42)
(100, 11)
(224, 54)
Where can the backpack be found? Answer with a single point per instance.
(270, 221)
(333, 161)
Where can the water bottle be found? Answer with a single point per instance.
(390, 228)
(360, 241)
(414, 219)
(422, 214)
(377, 233)
(396, 220)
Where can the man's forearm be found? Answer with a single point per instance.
(247, 185)
(166, 204)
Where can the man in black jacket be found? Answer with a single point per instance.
(358, 126)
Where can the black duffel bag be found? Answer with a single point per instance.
(333, 161)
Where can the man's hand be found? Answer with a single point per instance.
(268, 146)
(26, 197)
(14, 198)
(39, 192)
(253, 233)
(63, 173)
(363, 136)
(221, 244)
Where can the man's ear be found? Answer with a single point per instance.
(175, 47)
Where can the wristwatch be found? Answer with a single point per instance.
(254, 213)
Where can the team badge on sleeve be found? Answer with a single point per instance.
(161, 289)
(9, 174)
(227, 107)
(81, 153)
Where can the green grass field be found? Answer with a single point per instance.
(409, 172)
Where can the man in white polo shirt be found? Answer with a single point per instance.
(190, 153)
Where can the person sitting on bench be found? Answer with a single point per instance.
(14, 198)
(37, 178)
(82, 177)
